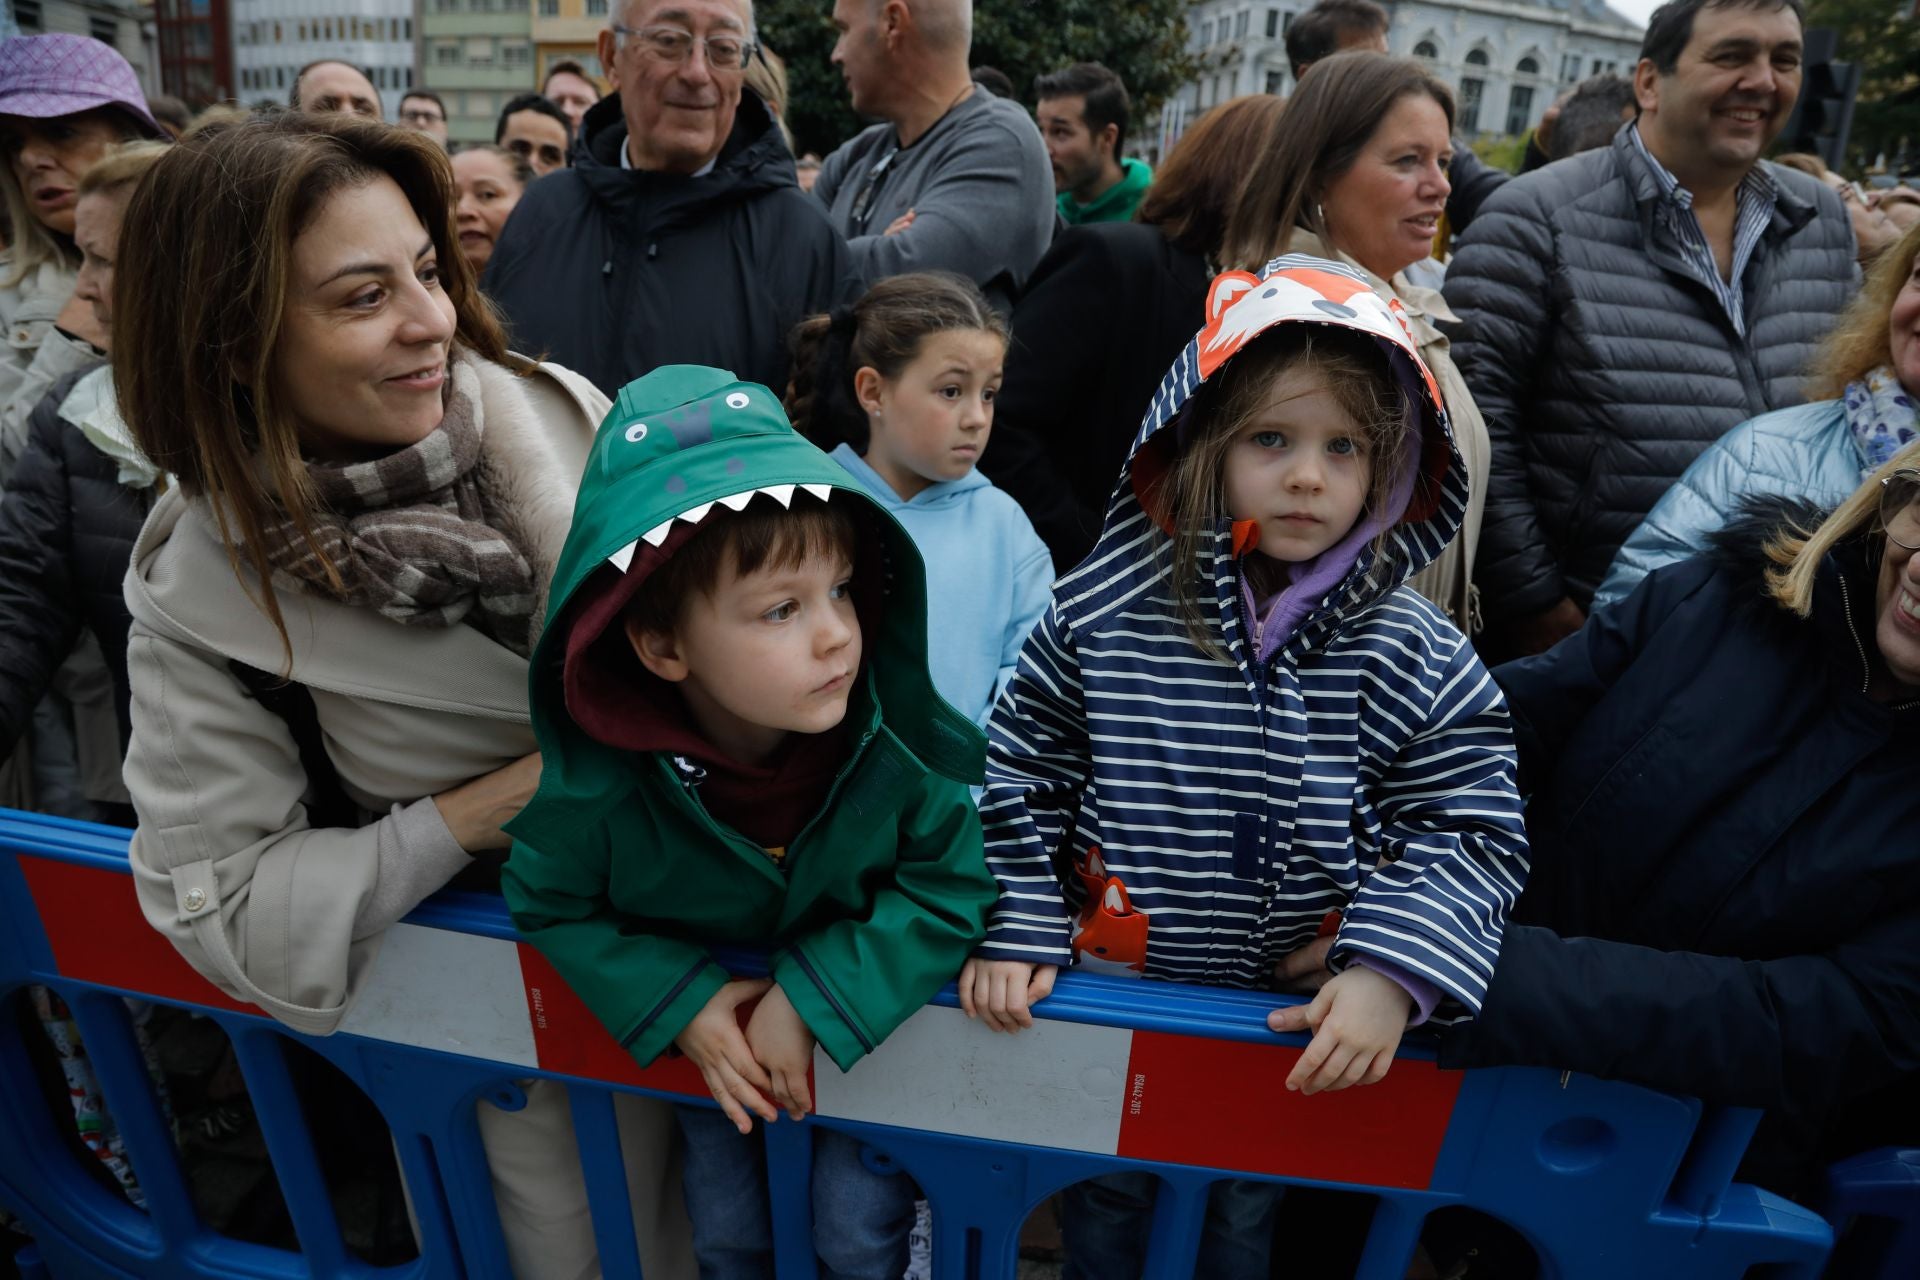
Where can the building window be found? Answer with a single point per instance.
(105, 30)
(1477, 58)
(27, 14)
(1276, 81)
(1240, 25)
(446, 55)
(1569, 68)
(549, 8)
(1519, 109)
(1206, 34)
(1528, 67)
(596, 8)
(1471, 92)
(1273, 25)
(517, 56)
(1426, 49)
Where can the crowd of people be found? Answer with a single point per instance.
(1318, 563)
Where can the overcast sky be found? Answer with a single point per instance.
(1638, 10)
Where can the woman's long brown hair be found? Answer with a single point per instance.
(1327, 122)
(200, 288)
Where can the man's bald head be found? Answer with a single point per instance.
(945, 26)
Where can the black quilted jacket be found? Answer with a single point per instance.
(1604, 364)
(67, 527)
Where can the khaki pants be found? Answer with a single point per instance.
(542, 1196)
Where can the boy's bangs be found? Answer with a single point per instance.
(768, 537)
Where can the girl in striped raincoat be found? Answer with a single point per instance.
(1234, 719)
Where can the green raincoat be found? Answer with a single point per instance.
(621, 877)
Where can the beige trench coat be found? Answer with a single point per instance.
(291, 918)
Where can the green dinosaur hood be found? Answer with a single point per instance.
(678, 445)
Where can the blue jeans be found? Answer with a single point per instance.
(861, 1219)
(1104, 1223)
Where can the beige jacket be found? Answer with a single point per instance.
(271, 910)
(1448, 581)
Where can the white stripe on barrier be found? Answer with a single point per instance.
(454, 992)
(1056, 1084)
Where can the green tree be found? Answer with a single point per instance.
(1884, 38)
(1143, 41)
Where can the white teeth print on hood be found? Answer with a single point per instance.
(1294, 289)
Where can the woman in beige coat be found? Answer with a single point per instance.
(1355, 169)
(371, 494)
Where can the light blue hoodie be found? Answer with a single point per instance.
(989, 578)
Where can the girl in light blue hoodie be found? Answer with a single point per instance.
(900, 387)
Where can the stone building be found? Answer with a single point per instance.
(1505, 60)
(273, 39)
(476, 54)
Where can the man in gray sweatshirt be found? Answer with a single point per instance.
(953, 179)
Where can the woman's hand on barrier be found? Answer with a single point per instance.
(1001, 993)
(1303, 971)
(1357, 1021)
(783, 1046)
(475, 811)
(716, 1045)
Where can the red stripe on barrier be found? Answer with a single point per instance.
(99, 934)
(1224, 1104)
(570, 1040)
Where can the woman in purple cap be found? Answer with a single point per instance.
(63, 101)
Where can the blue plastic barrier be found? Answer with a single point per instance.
(1874, 1200)
(1603, 1179)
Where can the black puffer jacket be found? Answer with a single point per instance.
(1604, 364)
(67, 527)
(613, 273)
(1725, 900)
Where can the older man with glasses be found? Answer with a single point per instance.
(679, 235)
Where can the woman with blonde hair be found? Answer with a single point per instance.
(1861, 393)
(333, 607)
(64, 100)
(1725, 900)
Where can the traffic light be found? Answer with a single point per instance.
(1823, 117)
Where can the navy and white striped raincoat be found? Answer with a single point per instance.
(1366, 766)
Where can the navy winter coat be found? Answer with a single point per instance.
(67, 527)
(1725, 898)
(614, 273)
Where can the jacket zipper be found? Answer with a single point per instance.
(1846, 607)
(840, 1010)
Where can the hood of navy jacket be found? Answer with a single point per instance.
(1429, 498)
(754, 159)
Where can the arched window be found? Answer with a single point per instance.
(1425, 49)
(1528, 66)
(1478, 58)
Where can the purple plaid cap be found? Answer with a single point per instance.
(61, 75)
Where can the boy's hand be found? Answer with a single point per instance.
(783, 1046)
(714, 1042)
(999, 992)
(1357, 1021)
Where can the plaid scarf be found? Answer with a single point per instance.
(410, 535)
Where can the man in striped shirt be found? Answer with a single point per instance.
(1623, 309)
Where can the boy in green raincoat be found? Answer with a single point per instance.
(741, 745)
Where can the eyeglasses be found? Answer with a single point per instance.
(671, 44)
(1900, 507)
(419, 116)
(548, 154)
